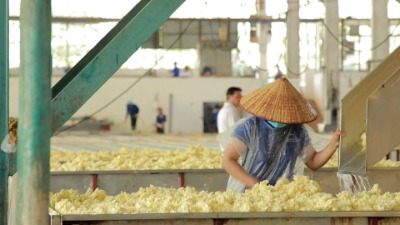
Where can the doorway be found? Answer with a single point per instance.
(210, 113)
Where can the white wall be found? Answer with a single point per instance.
(183, 97)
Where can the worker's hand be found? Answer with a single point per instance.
(254, 181)
(336, 138)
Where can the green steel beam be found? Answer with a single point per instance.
(4, 74)
(34, 126)
(101, 62)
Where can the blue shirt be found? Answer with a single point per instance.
(161, 119)
(270, 152)
(175, 71)
(132, 109)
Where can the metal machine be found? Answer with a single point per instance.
(115, 182)
(369, 118)
(232, 218)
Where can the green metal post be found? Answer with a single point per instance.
(4, 73)
(34, 127)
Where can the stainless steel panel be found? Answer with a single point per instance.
(231, 215)
(208, 181)
(383, 123)
(77, 181)
(387, 179)
(327, 179)
(299, 221)
(55, 218)
(352, 158)
(115, 183)
(286, 218)
(159, 222)
(389, 221)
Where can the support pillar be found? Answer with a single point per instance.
(293, 38)
(331, 60)
(263, 30)
(380, 32)
(4, 81)
(34, 126)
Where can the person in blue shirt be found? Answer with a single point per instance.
(274, 143)
(160, 120)
(176, 71)
(132, 111)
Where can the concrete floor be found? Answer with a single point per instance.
(77, 141)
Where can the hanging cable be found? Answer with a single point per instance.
(356, 50)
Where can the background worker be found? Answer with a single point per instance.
(175, 71)
(160, 121)
(132, 111)
(9, 146)
(273, 142)
(229, 113)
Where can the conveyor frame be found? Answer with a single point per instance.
(249, 218)
(114, 182)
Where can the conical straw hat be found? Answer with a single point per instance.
(279, 102)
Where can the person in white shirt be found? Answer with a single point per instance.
(186, 72)
(229, 113)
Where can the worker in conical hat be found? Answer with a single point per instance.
(272, 143)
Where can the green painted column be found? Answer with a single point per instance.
(34, 113)
(4, 72)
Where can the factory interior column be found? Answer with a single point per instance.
(34, 123)
(380, 32)
(331, 60)
(263, 30)
(293, 38)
